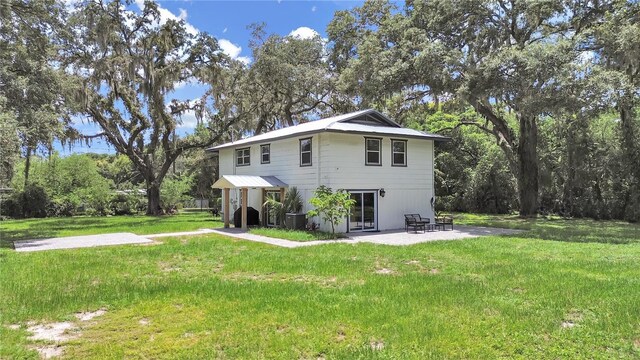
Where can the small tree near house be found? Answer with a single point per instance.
(331, 207)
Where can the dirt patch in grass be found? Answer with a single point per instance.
(423, 269)
(89, 315)
(384, 271)
(54, 332)
(52, 336)
(325, 281)
(49, 351)
(572, 319)
(166, 267)
(377, 345)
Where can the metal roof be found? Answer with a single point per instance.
(337, 124)
(247, 181)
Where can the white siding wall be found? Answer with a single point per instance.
(408, 189)
(341, 160)
(285, 164)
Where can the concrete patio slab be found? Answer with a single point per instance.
(390, 237)
(401, 237)
(73, 242)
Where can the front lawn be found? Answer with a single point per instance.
(27, 229)
(294, 235)
(216, 297)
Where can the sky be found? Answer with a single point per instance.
(228, 22)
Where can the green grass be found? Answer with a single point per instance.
(294, 235)
(217, 297)
(11, 230)
(559, 229)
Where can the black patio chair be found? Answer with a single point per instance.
(414, 221)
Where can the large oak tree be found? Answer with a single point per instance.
(504, 58)
(31, 86)
(288, 80)
(615, 47)
(130, 63)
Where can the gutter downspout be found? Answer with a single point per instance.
(319, 179)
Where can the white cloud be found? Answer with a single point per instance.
(185, 83)
(304, 32)
(225, 30)
(188, 120)
(244, 59)
(233, 50)
(183, 14)
(230, 48)
(279, 1)
(166, 15)
(313, 8)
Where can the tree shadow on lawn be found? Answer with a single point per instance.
(594, 232)
(76, 226)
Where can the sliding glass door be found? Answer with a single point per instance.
(364, 214)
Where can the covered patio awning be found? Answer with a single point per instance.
(247, 181)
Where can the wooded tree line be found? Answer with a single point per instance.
(540, 98)
(100, 184)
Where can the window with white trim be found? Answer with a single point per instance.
(398, 152)
(265, 154)
(243, 157)
(372, 150)
(305, 152)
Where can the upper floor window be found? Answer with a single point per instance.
(243, 157)
(265, 154)
(305, 152)
(398, 152)
(372, 150)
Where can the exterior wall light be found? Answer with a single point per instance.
(382, 192)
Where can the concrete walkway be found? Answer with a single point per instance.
(391, 237)
(73, 242)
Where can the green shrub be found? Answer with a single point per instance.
(175, 192)
(125, 204)
(12, 207)
(62, 207)
(34, 201)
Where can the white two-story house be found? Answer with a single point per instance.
(387, 169)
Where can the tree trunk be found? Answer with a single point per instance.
(528, 166)
(27, 166)
(153, 199)
(630, 140)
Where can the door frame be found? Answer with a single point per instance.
(376, 204)
(267, 209)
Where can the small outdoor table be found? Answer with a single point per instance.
(443, 221)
